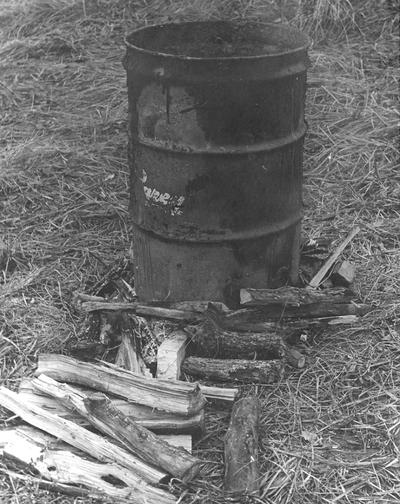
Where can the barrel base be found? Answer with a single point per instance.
(181, 271)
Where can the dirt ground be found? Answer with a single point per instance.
(330, 433)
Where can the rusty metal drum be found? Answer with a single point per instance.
(216, 127)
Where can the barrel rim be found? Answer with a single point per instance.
(181, 57)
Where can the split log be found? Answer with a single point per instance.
(156, 420)
(211, 341)
(321, 274)
(77, 436)
(169, 313)
(170, 355)
(100, 412)
(174, 396)
(293, 296)
(36, 449)
(234, 370)
(241, 448)
(129, 358)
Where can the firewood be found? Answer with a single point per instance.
(211, 341)
(170, 355)
(100, 412)
(233, 370)
(321, 274)
(86, 303)
(39, 450)
(174, 396)
(293, 296)
(156, 420)
(219, 393)
(77, 436)
(241, 448)
(343, 274)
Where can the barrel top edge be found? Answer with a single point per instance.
(290, 51)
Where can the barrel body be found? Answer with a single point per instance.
(216, 140)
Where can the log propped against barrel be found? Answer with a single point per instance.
(241, 449)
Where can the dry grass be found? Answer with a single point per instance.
(331, 432)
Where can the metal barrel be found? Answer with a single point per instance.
(216, 127)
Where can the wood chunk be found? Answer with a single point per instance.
(211, 341)
(77, 436)
(343, 274)
(178, 397)
(234, 370)
(100, 412)
(156, 420)
(37, 449)
(241, 449)
(170, 355)
(295, 358)
(321, 274)
(293, 296)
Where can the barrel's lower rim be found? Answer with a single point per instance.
(264, 231)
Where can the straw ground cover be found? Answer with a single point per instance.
(331, 432)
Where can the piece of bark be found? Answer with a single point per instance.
(321, 274)
(343, 274)
(33, 448)
(234, 370)
(77, 436)
(170, 355)
(174, 396)
(100, 412)
(157, 421)
(178, 440)
(241, 449)
(209, 340)
(293, 296)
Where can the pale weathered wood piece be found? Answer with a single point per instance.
(241, 448)
(170, 355)
(100, 412)
(174, 396)
(39, 450)
(179, 440)
(79, 437)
